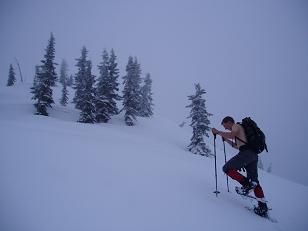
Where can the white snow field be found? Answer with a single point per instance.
(60, 175)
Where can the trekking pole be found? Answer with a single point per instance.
(223, 140)
(216, 191)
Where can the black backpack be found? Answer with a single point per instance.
(255, 137)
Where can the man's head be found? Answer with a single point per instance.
(228, 122)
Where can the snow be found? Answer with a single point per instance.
(57, 174)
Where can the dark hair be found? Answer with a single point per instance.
(227, 119)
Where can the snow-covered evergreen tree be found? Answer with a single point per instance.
(102, 103)
(63, 72)
(70, 81)
(113, 94)
(12, 76)
(107, 88)
(79, 83)
(64, 98)
(87, 102)
(199, 122)
(42, 92)
(138, 81)
(146, 97)
(36, 78)
(48, 62)
(131, 92)
(44, 79)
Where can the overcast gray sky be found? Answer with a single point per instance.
(250, 56)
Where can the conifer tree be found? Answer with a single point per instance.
(131, 92)
(107, 88)
(12, 76)
(36, 79)
(64, 97)
(70, 81)
(102, 103)
(44, 79)
(114, 85)
(87, 102)
(146, 97)
(42, 92)
(79, 83)
(63, 72)
(199, 122)
(48, 62)
(138, 80)
(36, 75)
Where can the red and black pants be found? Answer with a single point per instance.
(248, 160)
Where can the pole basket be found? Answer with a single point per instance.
(216, 192)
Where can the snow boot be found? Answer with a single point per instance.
(262, 209)
(247, 187)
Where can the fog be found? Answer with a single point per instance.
(250, 56)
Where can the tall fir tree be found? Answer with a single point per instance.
(63, 72)
(44, 79)
(79, 83)
(131, 91)
(114, 84)
(199, 122)
(102, 103)
(36, 76)
(48, 61)
(36, 79)
(12, 76)
(64, 98)
(138, 80)
(87, 103)
(146, 97)
(42, 92)
(70, 81)
(107, 88)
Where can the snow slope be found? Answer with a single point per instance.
(56, 174)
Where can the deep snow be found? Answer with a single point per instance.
(57, 174)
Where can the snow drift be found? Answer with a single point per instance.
(57, 174)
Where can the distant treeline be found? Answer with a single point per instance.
(96, 97)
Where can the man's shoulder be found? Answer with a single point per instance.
(236, 127)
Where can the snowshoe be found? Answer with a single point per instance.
(246, 188)
(261, 209)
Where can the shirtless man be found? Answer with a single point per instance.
(246, 158)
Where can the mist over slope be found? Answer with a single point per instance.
(57, 174)
(250, 56)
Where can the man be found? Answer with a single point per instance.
(246, 158)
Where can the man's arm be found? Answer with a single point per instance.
(227, 135)
(231, 143)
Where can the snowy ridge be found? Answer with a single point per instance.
(57, 174)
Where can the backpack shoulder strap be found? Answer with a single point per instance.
(238, 137)
(240, 140)
(265, 147)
